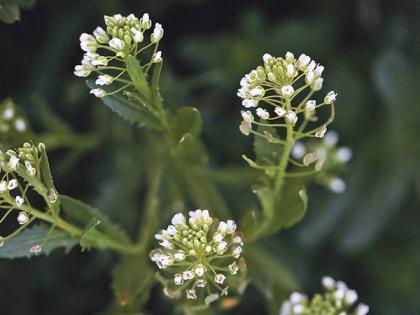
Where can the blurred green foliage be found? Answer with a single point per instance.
(368, 236)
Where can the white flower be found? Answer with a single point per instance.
(236, 252)
(298, 309)
(267, 58)
(88, 42)
(219, 278)
(178, 279)
(145, 21)
(12, 184)
(157, 33)
(350, 297)
(157, 57)
(264, 114)
(221, 247)
(344, 154)
(191, 294)
(320, 133)
(30, 169)
(201, 283)
(331, 138)
(22, 218)
(289, 57)
(311, 66)
(101, 35)
(362, 309)
(249, 103)
(317, 84)
(328, 282)
(257, 92)
(233, 268)
(228, 227)
(36, 249)
(104, 79)
(302, 61)
(163, 261)
(296, 298)
(309, 77)
(310, 105)
(117, 44)
(3, 186)
(13, 163)
(8, 113)
(200, 270)
(291, 117)
(138, 36)
(286, 308)
(218, 237)
(178, 219)
(188, 275)
(298, 150)
(200, 217)
(280, 111)
(20, 125)
(247, 116)
(98, 92)
(53, 196)
(318, 71)
(290, 70)
(330, 97)
(337, 185)
(99, 61)
(82, 71)
(310, 158)
(287, 90)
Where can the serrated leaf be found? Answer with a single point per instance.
(81, 214)
(19, 245)
(132, 280)
(187, 120)
(128, 110)
(137, 76)
(90, 236)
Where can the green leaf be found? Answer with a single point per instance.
(9, 11)
(46, 174)
(137, 76)
(191, 151)
(82, 214)
(19, 245)
(132, 280)
(90, 235)
(187, 120)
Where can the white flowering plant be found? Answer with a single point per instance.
(205, 259)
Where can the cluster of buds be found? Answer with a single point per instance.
(199, 257)
(10, 120)
(325, 155)
(107, 50)
(20, 170)
(337, 300)
(274, 90)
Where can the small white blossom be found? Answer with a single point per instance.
(12, 184)
(296, 298)
(249, 103)
(291, 117)
(290, 70)
(267, 58)
(8, 113)
(221, 247)
(20, 125)
(201, 283)
(320, 133)
(30, 169)
(138, 36)
(178, 279)
(145, 21)
(350, 297)
(257, 92)
(337, 185)
(331, 138)
(157, 57)
(157, 33)
(261, 112)
(179, 256)
(117, 44)
(104, 79)
(280, 111)
(344, 154)
(228, 227)
(317, 84)
(318, 71)
(362, 309)
(287, 90)
(310, 105)
(101, 35)
(219, 278)
(13, 163)
(298, 150)
(290, 57)
(302, 61)
(98, 92)
(3, 186)
(53, 195)
(330, 97)
(236, 252)
(247, 116)
(188, 275)
(200, 270)
(328, 282)
(36, 249)
(298, 309)
(191, 295)
(88, 42)
(233, 268)
(178, 219)
(22, 218)
(82, 71)
(309, 77)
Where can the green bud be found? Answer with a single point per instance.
(127, 39)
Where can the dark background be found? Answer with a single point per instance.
(369, 236)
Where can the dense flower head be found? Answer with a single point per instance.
(200, 257)
(276, 89)
(325, 155)
(107, 49)
(337, 300)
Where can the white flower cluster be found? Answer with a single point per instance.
(338, 300)
(199, 256)
(10, 120)
(123, 36)
(276, 84)
(326, 156)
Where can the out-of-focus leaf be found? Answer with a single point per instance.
(187, 120)
(132, 280)
(190, 151)
(48, 118)
(9, 11)
(82, 214)
(19, 245)
(266, 153)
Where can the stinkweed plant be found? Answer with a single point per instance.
(201, 259)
